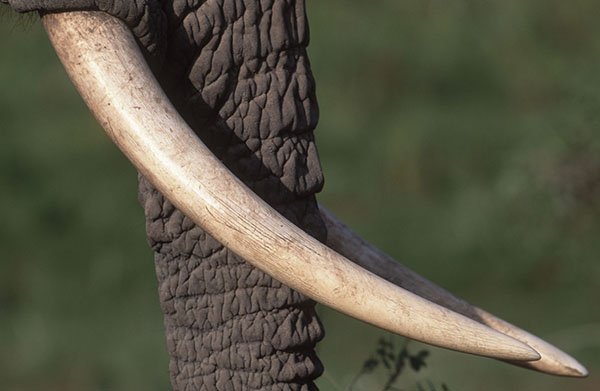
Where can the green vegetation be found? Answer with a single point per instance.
(460, 136)
(389, 361)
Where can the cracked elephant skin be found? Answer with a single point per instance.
(239, 74)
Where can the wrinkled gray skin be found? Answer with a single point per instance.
(238, 72)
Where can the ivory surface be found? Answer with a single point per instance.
(110, 73)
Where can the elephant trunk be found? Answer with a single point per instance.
(240, 77)
(228, 324)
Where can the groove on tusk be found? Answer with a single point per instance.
(342, 239)
(109, 71)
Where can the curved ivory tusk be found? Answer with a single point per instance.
(342, 239)
(105, 64)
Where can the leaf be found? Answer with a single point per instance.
(384, 343)
(417, 363)
(370, 365)
(423, 353)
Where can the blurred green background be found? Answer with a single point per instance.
(460, 136)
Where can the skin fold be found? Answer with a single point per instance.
(239, 74)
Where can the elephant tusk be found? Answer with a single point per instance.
(105, 64)
(342, 239)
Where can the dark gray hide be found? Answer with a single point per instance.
(238, 72)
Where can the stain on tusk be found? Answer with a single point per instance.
(109, 71)
(342, 239)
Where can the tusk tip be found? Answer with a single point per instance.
(555, 362)
(577, 371)
(568, 366)
(580, 372)
(573, 369)
(530, 354)
(494, 344)
(520, 351)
